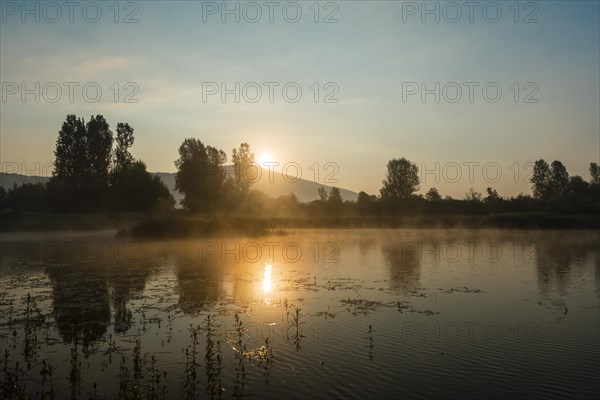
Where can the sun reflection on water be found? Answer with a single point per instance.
(267, 281)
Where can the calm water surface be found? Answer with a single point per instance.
(324, 314)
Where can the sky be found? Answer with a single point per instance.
(473, 93)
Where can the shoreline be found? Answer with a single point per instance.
(141, 226)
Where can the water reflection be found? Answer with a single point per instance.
(200, 283)
(92, 296)
(356, 301)
(596, 257)
(556, 255)
(125, 282)
(404, 261)
(80, 301)
(554, 259)
(267, 279)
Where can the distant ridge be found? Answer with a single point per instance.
(8, 180)
(280, 185)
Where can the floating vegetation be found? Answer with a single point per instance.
(401, 306)
(104, 336)
(325, 314)
(428, 312)
(177, 327)
(362, 306)
(462, 289)
(555, 305)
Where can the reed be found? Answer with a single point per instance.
(75, 376)
(213, 358)
(239, 352)
(190, 385)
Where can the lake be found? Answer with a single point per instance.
(322, 314)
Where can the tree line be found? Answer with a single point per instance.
(94, 171)
(553, 190)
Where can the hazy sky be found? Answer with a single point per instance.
(375, 61)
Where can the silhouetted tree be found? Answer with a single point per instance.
(291, 203)
(402, 179)
(245, 169)
(231, 196)
(363, 198)
(200, 174)
(523, 202)
(366, 204)
(595, 173)
(492, 195)
(322, 193)
(99, 148)
(136, 189)
(433, 195)
(71, 151)
(578, 185)
(549, 182)
(559, 179)
(580, 197)
(472, 195)
(82, 174)
(133, 187)
(27, 197)
(541, 180)
(123, 158)
(294, 199)
(3, 198)
(493, 201)
(82, 162)
(335, 197)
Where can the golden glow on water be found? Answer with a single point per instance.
(267, 278)
(384, 281)
(267, 283)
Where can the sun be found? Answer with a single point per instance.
(265, 157)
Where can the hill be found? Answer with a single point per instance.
(279, 185)
(7, 181)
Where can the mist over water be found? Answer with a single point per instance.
(426, 312)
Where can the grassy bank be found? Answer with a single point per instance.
(176, 226)
(46, 222)
(183, 227)
(179, 227)
(501, 221)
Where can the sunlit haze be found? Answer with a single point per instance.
(357, 74)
